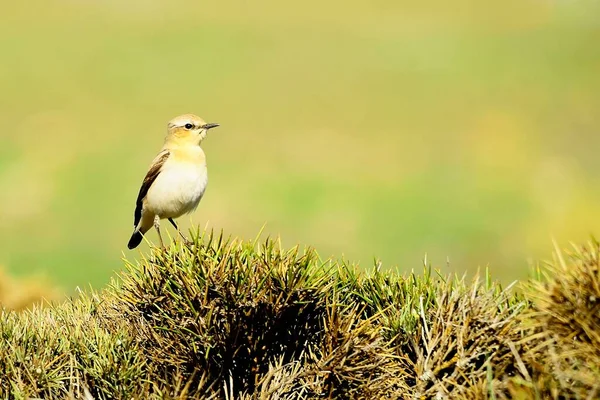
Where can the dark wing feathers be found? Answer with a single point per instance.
(151, 176)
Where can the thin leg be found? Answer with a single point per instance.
(157, 227)
(186, 240)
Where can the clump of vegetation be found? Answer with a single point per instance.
(564, 326)
(224, 319)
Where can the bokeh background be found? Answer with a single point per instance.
(464, 129)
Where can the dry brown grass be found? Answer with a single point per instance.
(564, 325)
(22, 293)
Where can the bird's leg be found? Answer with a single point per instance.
(185, 240)
(157, 227)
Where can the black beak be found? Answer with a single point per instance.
(209, 126)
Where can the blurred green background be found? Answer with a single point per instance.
(466, 130)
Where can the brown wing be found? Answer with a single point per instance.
(151, 176)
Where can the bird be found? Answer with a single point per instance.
(176, 179)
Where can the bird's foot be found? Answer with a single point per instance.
(186, 241)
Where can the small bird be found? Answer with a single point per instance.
(176, 179)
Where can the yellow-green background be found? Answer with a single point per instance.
(390, 129)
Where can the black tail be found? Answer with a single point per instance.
(135, 240)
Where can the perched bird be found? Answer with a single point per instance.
(176, 179)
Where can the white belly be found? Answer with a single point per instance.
(177, 190)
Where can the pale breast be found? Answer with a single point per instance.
(178, 189)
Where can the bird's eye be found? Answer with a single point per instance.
(189, 126)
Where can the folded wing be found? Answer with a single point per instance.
(151, 176)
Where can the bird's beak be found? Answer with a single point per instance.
(209, 126)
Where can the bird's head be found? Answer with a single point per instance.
(188, 129)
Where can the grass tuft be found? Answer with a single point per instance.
(228, 319)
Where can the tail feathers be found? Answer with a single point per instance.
(135, 240)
